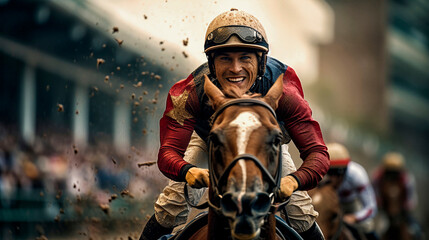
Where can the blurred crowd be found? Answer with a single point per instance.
(54, 172)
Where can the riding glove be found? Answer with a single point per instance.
(197, 177)
(288, 185)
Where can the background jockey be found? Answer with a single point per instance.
(354, 189)
(396, 191)
(236, 47)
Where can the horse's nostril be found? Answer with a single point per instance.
(250, 204)
(229, 205)
(261, 204)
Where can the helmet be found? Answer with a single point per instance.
(393, 161)
(340, 158)
(247, 29)
(236, 29)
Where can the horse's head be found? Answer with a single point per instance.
(326, 203)
(245, 157)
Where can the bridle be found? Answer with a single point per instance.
(220, 201)
(218, 182)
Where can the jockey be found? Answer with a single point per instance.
(236, 47)
(354, 189)
(393, 171)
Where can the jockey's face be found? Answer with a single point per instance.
(236, 68)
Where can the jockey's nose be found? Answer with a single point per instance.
(235, 66)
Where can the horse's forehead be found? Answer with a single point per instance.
(246, 119)
(245, 123)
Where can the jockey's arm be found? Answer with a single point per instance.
(369, 203)
(365, 192)
(305, 132)
(176, 127)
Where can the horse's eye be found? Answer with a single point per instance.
(216, 138)
(276, 139)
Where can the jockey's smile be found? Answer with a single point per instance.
(236, 68)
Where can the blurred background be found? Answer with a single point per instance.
(83, 85)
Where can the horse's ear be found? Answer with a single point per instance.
(214, 93)
(275, 92)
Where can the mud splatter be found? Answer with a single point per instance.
(146, 163)
(60, 107)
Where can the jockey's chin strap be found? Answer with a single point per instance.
(217, 183)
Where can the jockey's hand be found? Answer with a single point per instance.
(288, 184)
(197, 177)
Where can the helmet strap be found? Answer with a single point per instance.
(262, 62)
(210, 60)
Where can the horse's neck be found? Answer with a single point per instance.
(217, 227)
(393, 196)
(270, 228)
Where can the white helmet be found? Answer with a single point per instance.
(340, 158)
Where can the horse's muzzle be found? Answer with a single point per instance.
(246, 212)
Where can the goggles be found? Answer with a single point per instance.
(246, 34)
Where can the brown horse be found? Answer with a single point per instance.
(326, 202)
(393, 195)
(245, 167)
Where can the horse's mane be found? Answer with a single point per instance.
(235, 92)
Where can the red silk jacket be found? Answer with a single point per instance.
(187, 110)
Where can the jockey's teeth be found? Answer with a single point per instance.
(236, 79)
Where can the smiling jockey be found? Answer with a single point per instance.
(236, 47)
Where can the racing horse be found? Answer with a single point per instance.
(326, 203)
(393, 197)
(245, 168)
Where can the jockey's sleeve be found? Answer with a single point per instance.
(176, 127)
(369, 203)
(360, 182)
(411, 193)
(304, 131)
